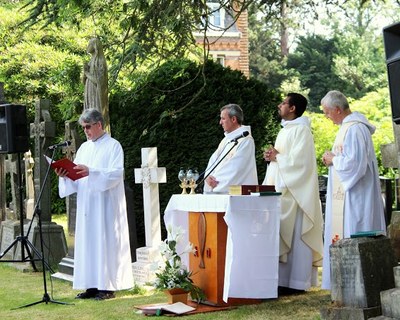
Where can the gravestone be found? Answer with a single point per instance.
(360, 269)
(66, 265)
(149, 175)
(10, 229)
(43, 131)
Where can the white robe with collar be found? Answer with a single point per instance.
(102, 257)
(238, 167)
(294, 173)
(358, 172)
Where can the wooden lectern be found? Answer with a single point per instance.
(208, 233)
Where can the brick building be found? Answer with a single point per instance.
(229, 47)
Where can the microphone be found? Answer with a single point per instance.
(61, 144)
(242, 135)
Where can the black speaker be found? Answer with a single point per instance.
(14, 136)
(391, 39)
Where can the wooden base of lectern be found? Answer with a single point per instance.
(208, 232)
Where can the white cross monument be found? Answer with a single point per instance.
(149, 175)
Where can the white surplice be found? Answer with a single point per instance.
(294, 173)
(102, 257)
(357, 169)
(238, 167)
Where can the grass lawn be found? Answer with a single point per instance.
(18, 288)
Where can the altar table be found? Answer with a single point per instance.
(252, 246)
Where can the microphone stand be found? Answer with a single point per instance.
(199, 189)
(46, 297)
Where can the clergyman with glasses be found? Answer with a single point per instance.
(102, 259)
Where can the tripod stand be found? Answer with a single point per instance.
(46, 297)
(25, 242)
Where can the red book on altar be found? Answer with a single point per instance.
(68, 165)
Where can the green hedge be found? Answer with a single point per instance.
(159, 112)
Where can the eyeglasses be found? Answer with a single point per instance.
(88, 126)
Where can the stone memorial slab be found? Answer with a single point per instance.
(360, 269)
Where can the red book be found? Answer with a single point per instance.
(68, 165)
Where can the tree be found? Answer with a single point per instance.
(137, 32)
(313, 60)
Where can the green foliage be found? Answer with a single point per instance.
(160, 112)
(313, 60)
(376, 107)
(42, 64)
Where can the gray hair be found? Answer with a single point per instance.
(335, 99)
(91, 115)
(234, 110)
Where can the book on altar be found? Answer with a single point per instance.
(66, 164)
(159, 309)
(248, 189)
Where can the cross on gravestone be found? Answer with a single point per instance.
(150, 176)
(42, 131)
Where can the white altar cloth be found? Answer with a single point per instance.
(252, 249)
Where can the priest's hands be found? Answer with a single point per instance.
(61, 172)
(212, 182)
(82, 170)
(327, 158)
(270, 154)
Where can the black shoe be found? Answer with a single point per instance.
(104, 295)
(285, 291)
(88, 294)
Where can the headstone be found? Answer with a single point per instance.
(149, 175)
(66, 265)
(360, 269)
(14, 211)
(42, 131)
(71, 134)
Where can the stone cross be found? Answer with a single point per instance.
(43, 130)
(150, 176)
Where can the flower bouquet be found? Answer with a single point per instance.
(172, 274)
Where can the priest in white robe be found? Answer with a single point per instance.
(102, 259)
(234, 162)
(354, 202)
(293, 171)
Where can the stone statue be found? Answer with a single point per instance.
(95, 79)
